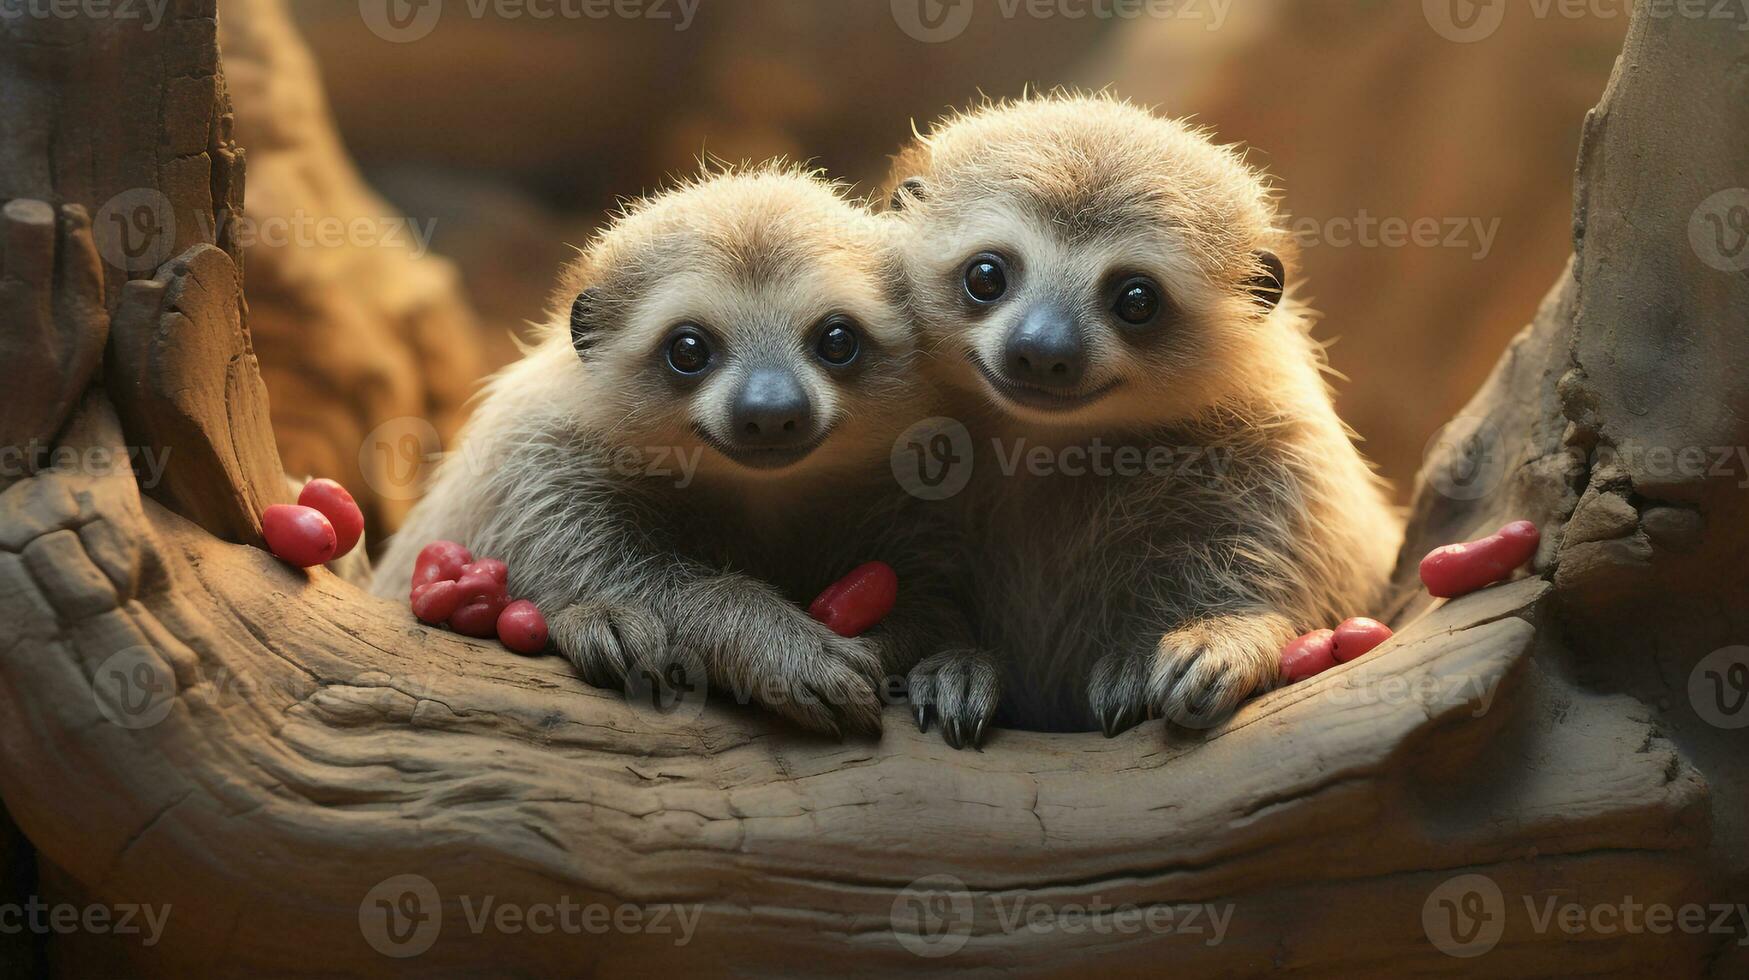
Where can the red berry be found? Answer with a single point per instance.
(1459, 569)
(298, 534)
(435, 602)
(490, 567)
(821, 607)
(522, 628)
(478, 584)
(440, 561)
(341, 510)
(1358, 637)
(855, 603)
(478, 617)
(1308, 656)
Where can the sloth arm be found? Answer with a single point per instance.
(573, 538)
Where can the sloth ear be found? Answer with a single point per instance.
(1270, 281)
(585, 320)
(908, 190)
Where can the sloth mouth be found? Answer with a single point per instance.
(768, 458)
(1039, 399)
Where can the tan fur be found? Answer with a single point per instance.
(1107, 599)
(637, 573)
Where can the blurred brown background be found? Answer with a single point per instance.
(516, 132)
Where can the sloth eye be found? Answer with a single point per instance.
(986, 279)
(1138, 302)
(689, 352)
(838, 345)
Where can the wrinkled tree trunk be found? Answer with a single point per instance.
(271, 753)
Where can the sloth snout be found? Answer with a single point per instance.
(1045, 350)
(772, 410)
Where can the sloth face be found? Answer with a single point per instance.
(752, 319)
(770, 376)
(1079, 261)
(764, 386)
(1110, 326)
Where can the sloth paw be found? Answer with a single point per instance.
(1118, 692)
(1195, 676)
(1204, 671)
(610, 643)
(823, 682)
(960, 688)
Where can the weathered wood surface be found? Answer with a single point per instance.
(182, 372)
(187, 722)
(307, 727)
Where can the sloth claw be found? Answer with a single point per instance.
(960, 688)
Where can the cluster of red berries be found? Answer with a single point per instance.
(1448, 572)
(324, 524)
(451, 588)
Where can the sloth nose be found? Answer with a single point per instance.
(772, 411)
(1045, 350)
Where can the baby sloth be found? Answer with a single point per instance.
(1163, 494)
(698, 443)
